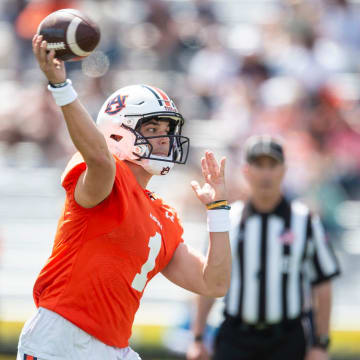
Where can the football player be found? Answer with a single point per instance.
(114, 235)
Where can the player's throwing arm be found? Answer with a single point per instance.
(97, 183)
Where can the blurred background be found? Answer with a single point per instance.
(234, 68)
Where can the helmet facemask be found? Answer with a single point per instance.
(178, 144)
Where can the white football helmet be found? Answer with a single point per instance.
(121, 117)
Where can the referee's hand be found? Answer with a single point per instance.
(317, 354)
(197, 351)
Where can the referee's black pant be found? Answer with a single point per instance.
(239, 341)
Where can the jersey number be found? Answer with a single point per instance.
(140, 280)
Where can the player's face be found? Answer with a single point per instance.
(265, 175)
(157, 128)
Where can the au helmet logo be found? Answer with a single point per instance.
(116, 104)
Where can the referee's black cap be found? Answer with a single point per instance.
(263, 145)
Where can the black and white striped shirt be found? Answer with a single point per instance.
(277, 257)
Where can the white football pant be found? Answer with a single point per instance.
(49, 336)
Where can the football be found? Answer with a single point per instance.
(70, 33)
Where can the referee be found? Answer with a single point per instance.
(279, 301)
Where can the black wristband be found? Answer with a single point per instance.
(222, 207)
(322, 341)
(58, 85)
(198, 338)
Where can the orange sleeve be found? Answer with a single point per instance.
(70, 177)
(171, 211)
(72, 172)
(180, 229)
(174, 233)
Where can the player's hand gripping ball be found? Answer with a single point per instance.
(70, 33)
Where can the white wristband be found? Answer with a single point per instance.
(63, 95)
(218, 220)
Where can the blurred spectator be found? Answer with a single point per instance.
(211, 68)
(39, 121)
(35, 11)
(340, 23)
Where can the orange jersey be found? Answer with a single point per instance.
(104, 256)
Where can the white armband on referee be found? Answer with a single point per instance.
(218, 220)
(63, 95)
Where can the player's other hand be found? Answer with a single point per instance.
(54, 69)
(214, 177)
